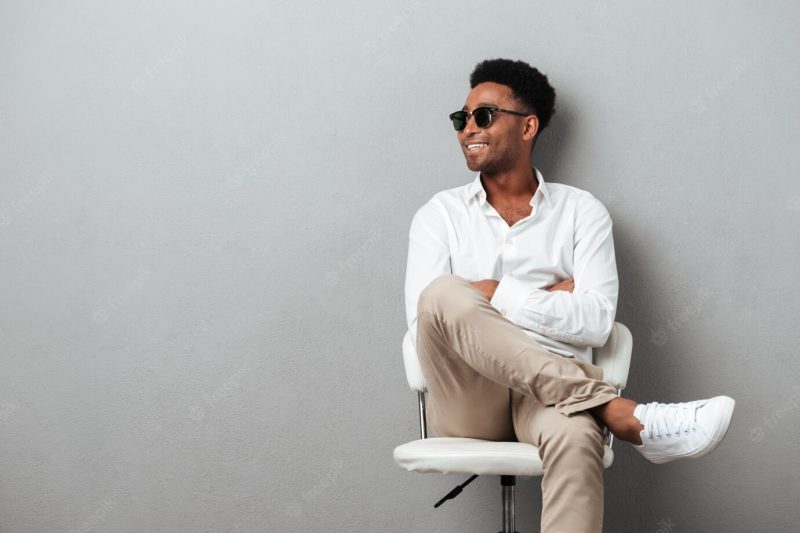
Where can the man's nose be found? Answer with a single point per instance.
(471, 126)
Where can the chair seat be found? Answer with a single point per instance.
(455, 455)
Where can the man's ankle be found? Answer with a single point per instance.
(617, 416)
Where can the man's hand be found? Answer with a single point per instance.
(566, 285)
(486, 286)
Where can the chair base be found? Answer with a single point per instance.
(508, 486)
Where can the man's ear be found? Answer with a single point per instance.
(531, 127)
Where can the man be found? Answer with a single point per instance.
(511, 281)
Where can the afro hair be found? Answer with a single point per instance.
(530, 87)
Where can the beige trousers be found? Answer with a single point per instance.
(488, 379)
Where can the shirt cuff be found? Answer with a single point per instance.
(509, 297)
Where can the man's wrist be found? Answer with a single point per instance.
(510, 296)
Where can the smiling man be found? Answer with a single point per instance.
(510, 283)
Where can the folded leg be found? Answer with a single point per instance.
(455, 322)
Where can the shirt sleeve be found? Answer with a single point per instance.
(584, 317)
(428, 256)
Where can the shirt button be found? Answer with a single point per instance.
(509, 242)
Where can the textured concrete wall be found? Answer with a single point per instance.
(204, 212)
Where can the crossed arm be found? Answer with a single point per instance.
(489, 286)
(579, 310)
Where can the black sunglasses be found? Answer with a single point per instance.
(483, 116)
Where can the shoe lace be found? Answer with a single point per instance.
(669, 419)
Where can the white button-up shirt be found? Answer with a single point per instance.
(567, 234)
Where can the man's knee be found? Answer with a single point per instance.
(439, 292)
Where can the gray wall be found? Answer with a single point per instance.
(204, 211)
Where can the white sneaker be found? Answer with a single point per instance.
(683, 430)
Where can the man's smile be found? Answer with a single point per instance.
(476, 146)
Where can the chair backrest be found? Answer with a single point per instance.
(614, 358)
(413, 371)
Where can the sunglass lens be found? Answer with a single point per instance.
(459, 119)
(483, 117)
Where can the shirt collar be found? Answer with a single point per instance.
(476, 188)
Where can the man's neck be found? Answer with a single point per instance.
(515, 185)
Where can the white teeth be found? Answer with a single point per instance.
(476, 146)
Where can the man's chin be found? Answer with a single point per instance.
(480, 167)
(474, 166)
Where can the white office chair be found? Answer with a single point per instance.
(451, 455)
